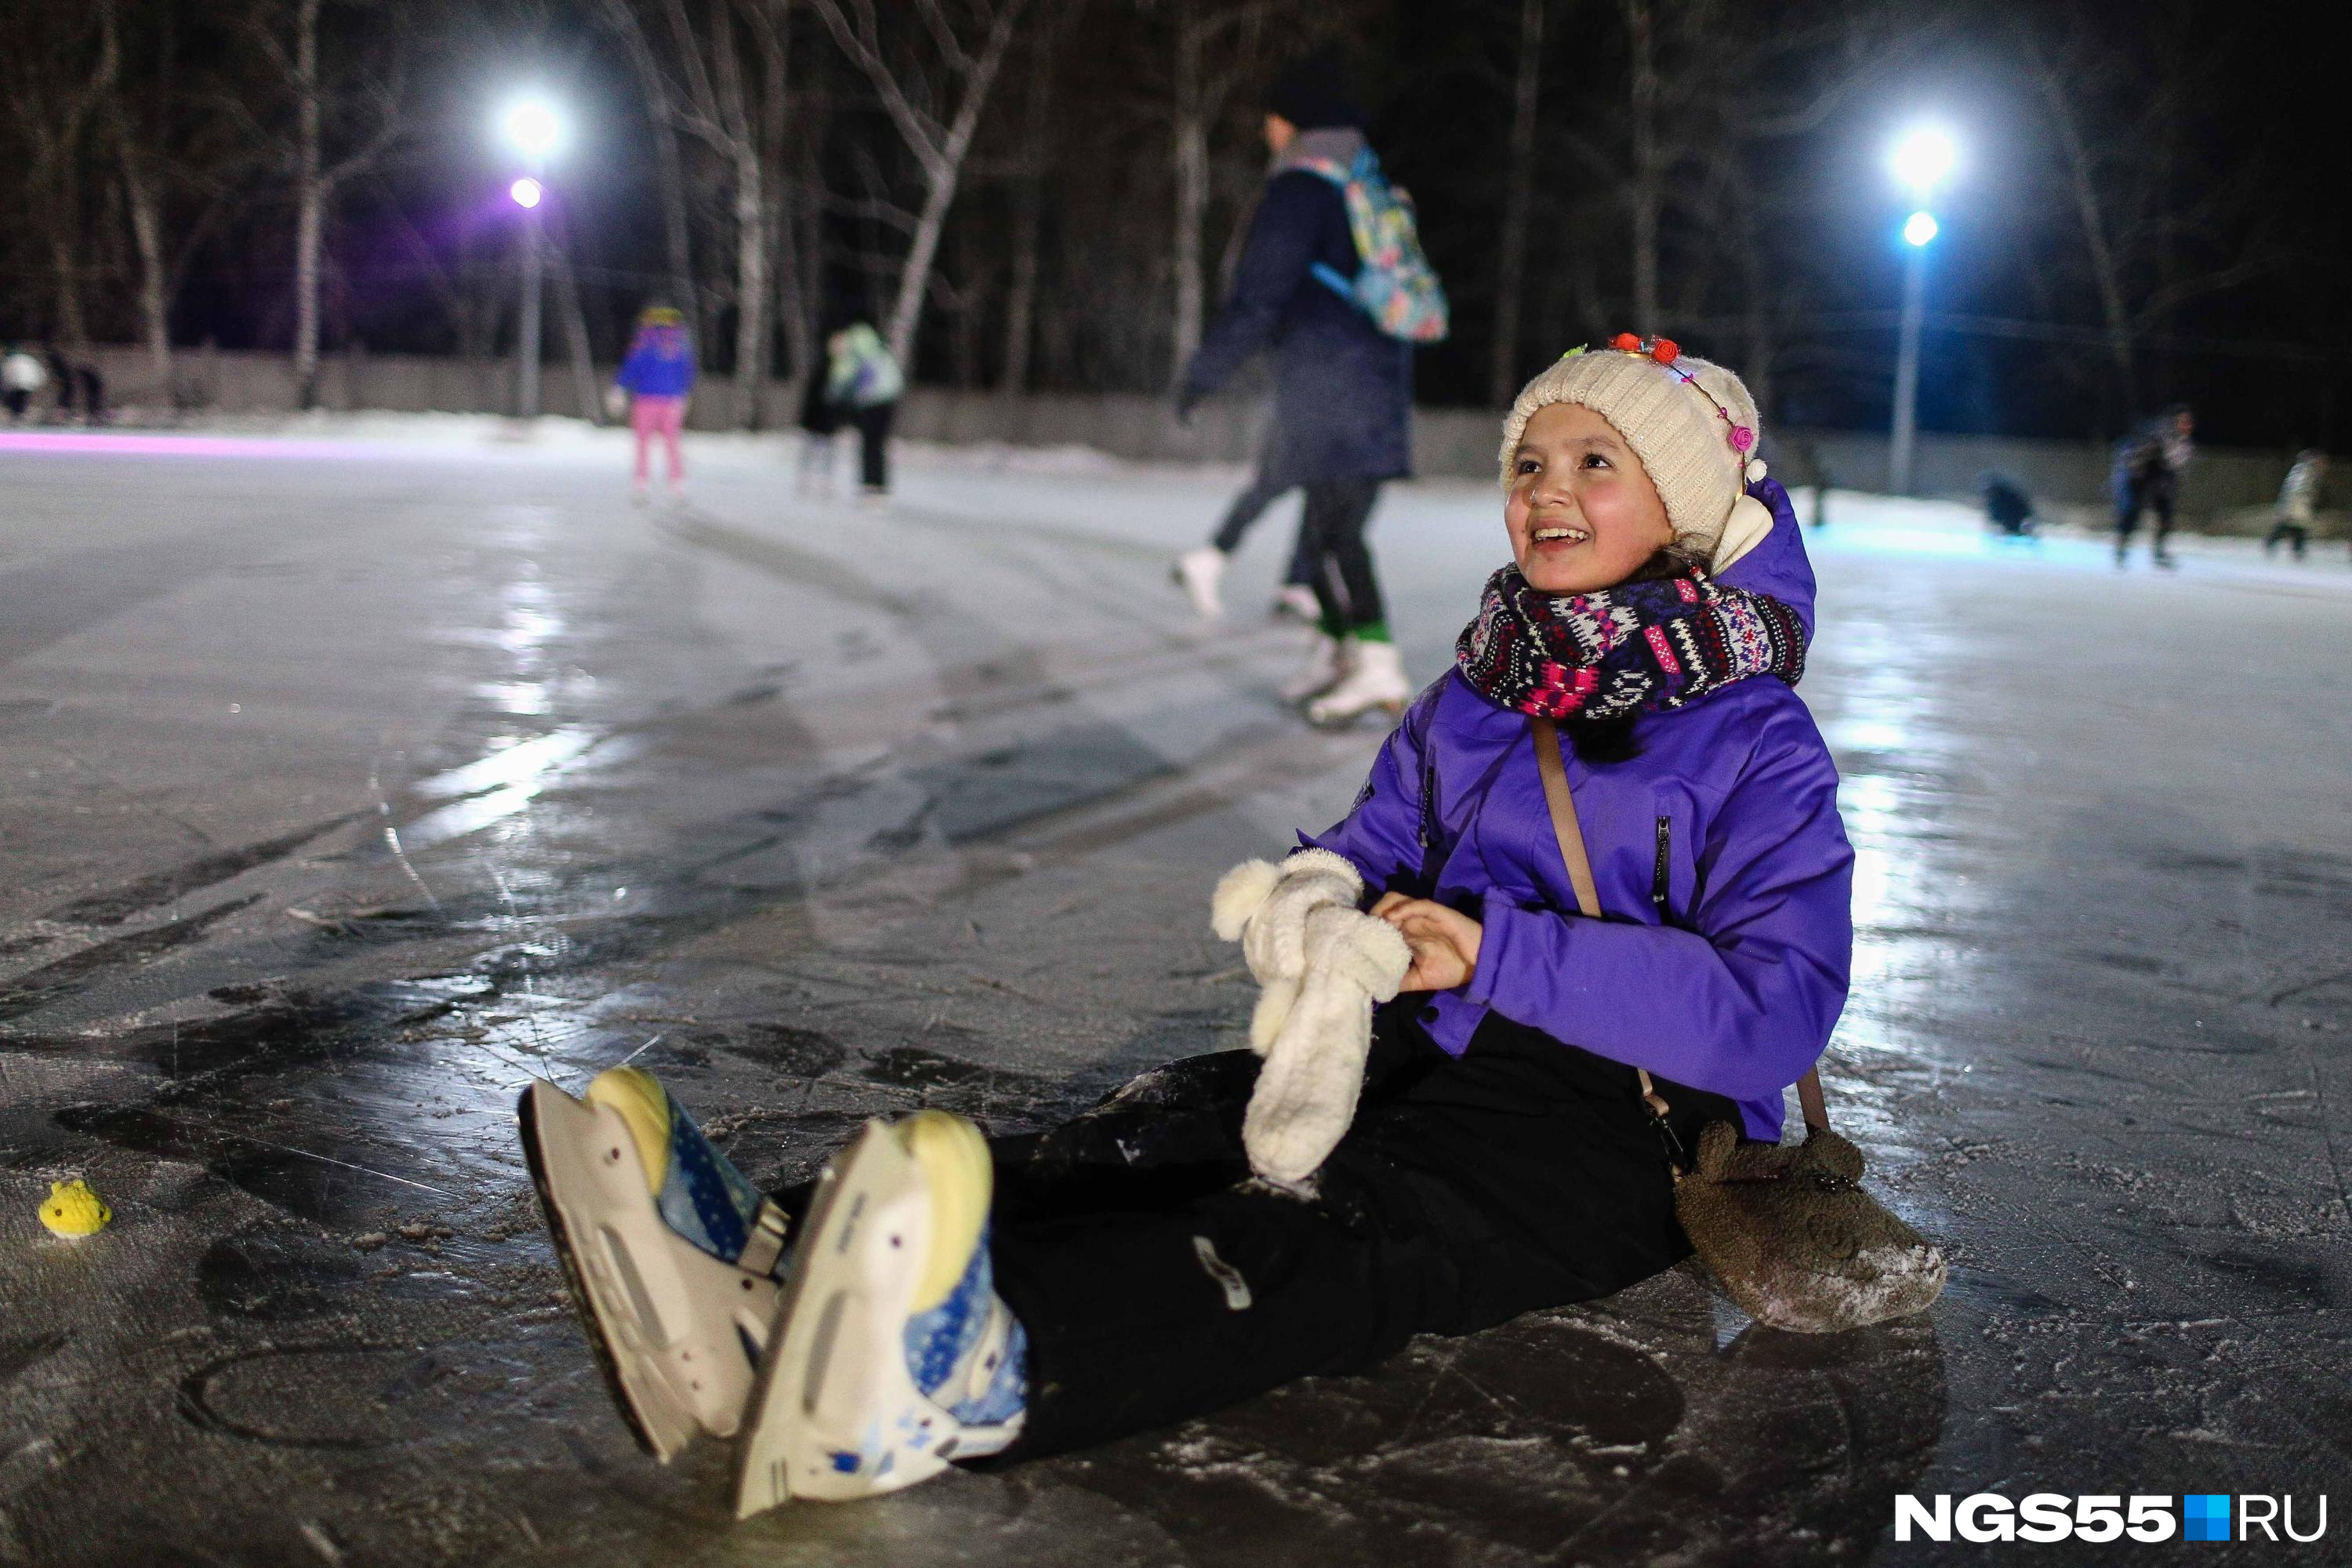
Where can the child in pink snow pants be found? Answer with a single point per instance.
(658, 376)
(657, 417)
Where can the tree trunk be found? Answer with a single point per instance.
(669, 166)
(1028, 221)
(2087, 209)
(146, 204)
(311, 204)
(1647, 193)
(1191, 151)
(942, 171)
(584, 390)
(1518, 201)
(73, 327)
(778, 219)
(750, 287)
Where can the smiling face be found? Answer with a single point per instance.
(1582, 513)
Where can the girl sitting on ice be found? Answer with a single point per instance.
(948, 1297)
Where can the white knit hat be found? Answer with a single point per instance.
(1691, 423)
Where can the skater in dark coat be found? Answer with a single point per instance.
(2148, 468)
(1342, 387)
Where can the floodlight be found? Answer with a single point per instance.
(1923, 158)
(532, 127)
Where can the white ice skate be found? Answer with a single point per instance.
(1329, 662)
(1198, 572)
(891, 1354)
(1297, 601)
(1375, 679)
(668, 1253)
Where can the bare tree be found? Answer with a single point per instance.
(355, 108)
(669, 165)
(1028, 215)
(2157, 231)
(1519, 203)
(1217, 47)
(60, 64)
(935, 100)
(178, 163)
(701, 83)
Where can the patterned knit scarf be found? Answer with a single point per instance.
(1639, 648)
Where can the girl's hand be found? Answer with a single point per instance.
(1444, 941)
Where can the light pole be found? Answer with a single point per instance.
(1921, 160)
(533, 128)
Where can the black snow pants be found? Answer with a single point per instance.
(1247, 508)
(1332, 533)
(1158, 1282)
(2155, 490)
(873, 445)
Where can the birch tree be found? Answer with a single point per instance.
(2159, 229)
(932, 69)
(57, 71)
(1519, 202)
(1217, 47)
(354, 111)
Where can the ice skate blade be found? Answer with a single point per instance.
(834, 1413)
(671, 1326)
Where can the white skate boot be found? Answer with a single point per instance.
(891, 1354)
(1329, 662)
(1198, 572)
(1295, 600)
(1375, 679)
(670, 1254)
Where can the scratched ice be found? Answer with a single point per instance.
(352, 780)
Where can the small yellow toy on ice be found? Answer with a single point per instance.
(72, 1209)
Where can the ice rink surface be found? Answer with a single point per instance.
(352, 782)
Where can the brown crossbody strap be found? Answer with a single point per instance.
(1562, 806)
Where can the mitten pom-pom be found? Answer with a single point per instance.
(1239, 893)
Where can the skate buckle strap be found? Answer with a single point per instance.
(765, 1244)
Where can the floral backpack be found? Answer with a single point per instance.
(1394, 284)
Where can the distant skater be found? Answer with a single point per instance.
(21, 377)
(820, 425)
(864, 383)
(2007, 506)
(2147, 474)
(2297, 500)
(658, 376)
(1332, 283)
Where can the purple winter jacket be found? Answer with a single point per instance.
(1734, 984)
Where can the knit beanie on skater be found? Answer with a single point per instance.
(1313, 92)
(1692, 422)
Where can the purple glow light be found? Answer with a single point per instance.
(160, 446)
(525, 192)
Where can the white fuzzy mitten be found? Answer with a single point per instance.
(1266, 907)
(1306, 1093)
